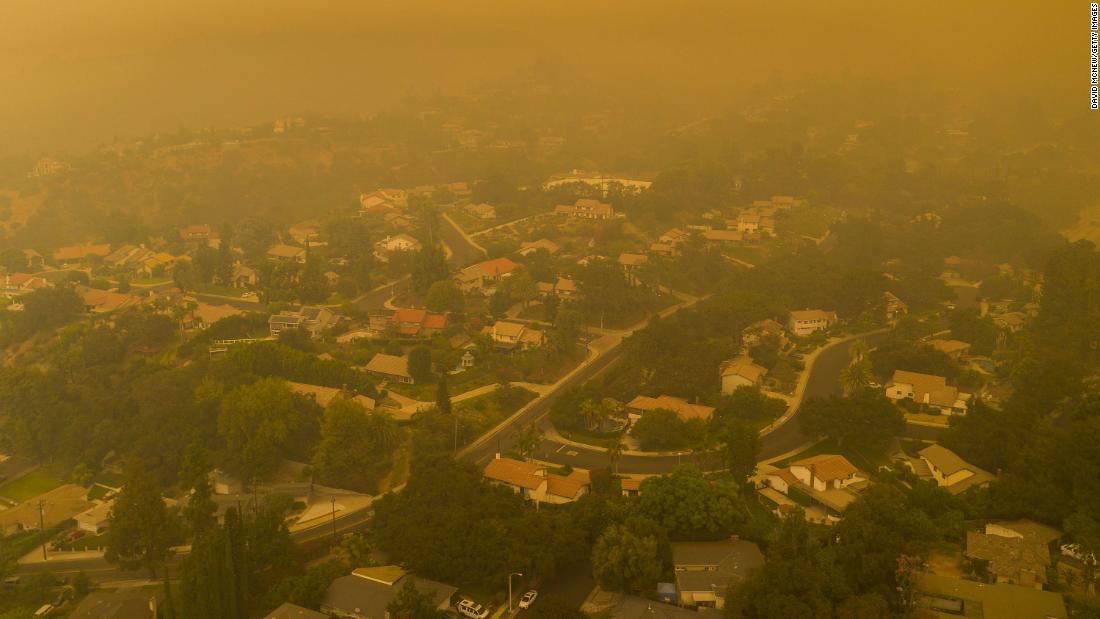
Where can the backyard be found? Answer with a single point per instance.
(29, 486)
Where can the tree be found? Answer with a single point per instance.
(855, 376)
(864, 420)
(443, 396)
(615, 451)
(185, 275)
(660, 429)
(199, 512)
(141, 530)
(529, 440)
(625, 561)
(741, 445)
(410, 603)
(499, 302)
(689, 507)
(429, 267)
(444, 296)
(257, 422)
(348, 454)
(420, 363)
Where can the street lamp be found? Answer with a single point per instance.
(510, 589)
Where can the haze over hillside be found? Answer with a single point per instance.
(75, 73)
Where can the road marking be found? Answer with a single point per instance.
(560, 447)
(572, 453)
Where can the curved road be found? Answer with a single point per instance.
(823, 381)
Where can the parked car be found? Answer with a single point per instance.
(528, 599)
(471, 609)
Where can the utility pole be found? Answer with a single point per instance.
(42, 525)
(456, 434)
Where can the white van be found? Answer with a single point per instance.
(471, 609)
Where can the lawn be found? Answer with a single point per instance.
(598, 440)
(88, 542)
(149, 281)
(868, 461)
(29, 486)
(225, 291)
(457, 384)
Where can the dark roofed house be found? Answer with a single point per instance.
(132, 603)
(293, 611)
(706, 570)
(1012, 560)
(367, 591)
(390, 367)
(942, 597)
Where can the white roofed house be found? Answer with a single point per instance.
(809, 321)
(395, 243)
(830, 481)
(631, 264)
(586, 208)
(514, 335)
(893, 307)
(534, 481)
(928, 390)
(310, 318)
(740, 372)
(950, 471)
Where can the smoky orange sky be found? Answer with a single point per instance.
(74, 73)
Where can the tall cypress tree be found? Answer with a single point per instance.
(442, 396)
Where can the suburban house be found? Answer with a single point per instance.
(949, 470)
(663, 249)
(674, 236)
(224, 483)
(748, 222)
(481, 210)
(104, 301)
(586, 208)
(367, 591)
(411, 322)
(481, 276)
(533, 246)
(683, 409)
(323, 396)
(720, 237)
(740, 372)
(758, 331)
(631, 263)
(198, 232)
(244, 276)
(956, 349)
(829, 480)
(514, 335)
(943, 597)
(564, 288)
(128, 256)
(293, 611)
(390, 367)
(929, 390)
(893, 307)
(76, 253)
(95, 520)
(1010, 560)
(396, 243)
(809, 321)
(630, 486)
(286, 253)
(535, 482)
(16, 284)
(310, 318)
(705, 571)
(124, 603)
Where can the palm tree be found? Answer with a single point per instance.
(856, 376)
(590, 409)
(615, 451)
(858, 351)
(529, 440)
